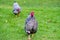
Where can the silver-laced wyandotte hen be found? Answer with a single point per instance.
(31, 25)
(16, 8)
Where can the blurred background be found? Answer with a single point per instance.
(47, 13)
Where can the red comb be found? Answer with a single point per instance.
(32, 14)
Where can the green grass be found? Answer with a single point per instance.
(47, 13)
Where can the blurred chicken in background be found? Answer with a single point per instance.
(16, 8)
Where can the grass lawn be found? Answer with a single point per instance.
(47, 13)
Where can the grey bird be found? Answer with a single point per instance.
(31, 25)
(16, 8)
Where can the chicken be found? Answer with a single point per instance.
(31, 25)
(16, 8)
